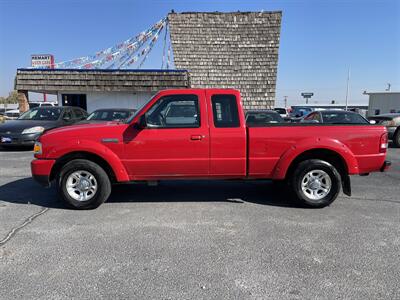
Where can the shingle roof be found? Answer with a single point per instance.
(53, 80)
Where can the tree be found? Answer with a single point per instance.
(12, 97)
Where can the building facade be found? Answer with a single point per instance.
(229, 50)
(94, 89)
(383, 102)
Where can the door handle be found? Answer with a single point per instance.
(197, 137)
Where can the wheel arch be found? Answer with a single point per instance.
(60, 162)
(328, 155)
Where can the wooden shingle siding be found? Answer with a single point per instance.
(96, 80)
(229, 50)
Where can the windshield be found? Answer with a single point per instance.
(110, 115)
(343, 118)
(42, 113)
(280, 110)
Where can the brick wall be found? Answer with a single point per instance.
(229, 50)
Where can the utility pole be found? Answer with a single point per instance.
(347, 90)
(285, 101)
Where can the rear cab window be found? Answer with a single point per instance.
(225, 111)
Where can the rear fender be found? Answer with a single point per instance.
(313, 144)
(95, 148)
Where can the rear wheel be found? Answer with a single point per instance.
(83, 184)
(396, 138)
(316, 183)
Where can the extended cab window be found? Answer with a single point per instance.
(175, 111)
(225, 111)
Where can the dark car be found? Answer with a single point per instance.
(262, 117)
(392, 123)
(109, 114)
(30, 125)
(300, 111)
(334, 117)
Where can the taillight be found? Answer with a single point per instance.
(384, 143)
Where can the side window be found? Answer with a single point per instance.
(175, 111)
(317, 117)
(310, 117)
(79, 114)
(225, 111)
(67, 115)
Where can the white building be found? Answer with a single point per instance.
(383, 102)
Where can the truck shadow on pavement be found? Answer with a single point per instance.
(26, 191)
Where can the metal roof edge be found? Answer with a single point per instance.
(105, 70)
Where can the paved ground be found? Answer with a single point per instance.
(198, 241)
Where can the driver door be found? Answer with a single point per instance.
(175, 142)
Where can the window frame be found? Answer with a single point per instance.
(197, 104)
(214, 111)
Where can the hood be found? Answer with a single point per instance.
(83, 129)
(95, 122)
(17, 126)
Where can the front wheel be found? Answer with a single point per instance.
(83, 184)
(316, 183)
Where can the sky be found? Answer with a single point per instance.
(320, 40)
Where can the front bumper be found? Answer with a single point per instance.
(18, 139)
(41, 170)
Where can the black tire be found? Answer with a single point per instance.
(102, 182)
(299, 174)
(396, 138)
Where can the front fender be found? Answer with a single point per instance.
(93, 147)
(314, 144)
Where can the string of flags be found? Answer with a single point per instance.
(123, 55)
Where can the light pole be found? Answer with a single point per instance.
(347, 90)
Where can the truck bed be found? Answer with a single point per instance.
(268, 144)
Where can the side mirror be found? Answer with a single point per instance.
(142, 123)
(372, 122)
(66, 118)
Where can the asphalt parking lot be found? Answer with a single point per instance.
(198, 240)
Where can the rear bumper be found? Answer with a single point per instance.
(41, 170)
(386, 165)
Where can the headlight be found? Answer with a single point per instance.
(37, 148)
(37, 129)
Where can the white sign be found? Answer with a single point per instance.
(42, 61)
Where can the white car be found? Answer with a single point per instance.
(282, 111)
(12, 114)
(41, 104)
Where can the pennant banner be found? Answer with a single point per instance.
(121, 55)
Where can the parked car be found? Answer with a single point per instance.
(12, 114)
(262, 117)
(284, 112)
(299, 111)
(207, 139)
(334, 117)
(392, 123)
(30, 125)
(109, 114)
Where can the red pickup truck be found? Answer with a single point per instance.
(202, 134)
